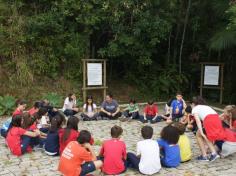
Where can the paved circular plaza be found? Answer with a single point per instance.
(38, 163)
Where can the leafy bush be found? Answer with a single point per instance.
(54, 98)
(7, 104)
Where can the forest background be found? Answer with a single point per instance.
(153, 47)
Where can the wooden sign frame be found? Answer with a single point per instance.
(221, 78)
(85, 87)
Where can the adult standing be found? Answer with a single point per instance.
(69, 107)
(110, 108)
(210, 127)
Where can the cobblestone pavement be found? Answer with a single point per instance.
(38, 163)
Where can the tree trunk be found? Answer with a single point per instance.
(183, 35)
(169, 44)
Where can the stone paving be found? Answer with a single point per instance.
(39, 164)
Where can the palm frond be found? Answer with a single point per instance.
(223, 39)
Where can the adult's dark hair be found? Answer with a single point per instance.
(56, 122)
(132, 100)
(37, 104)
(198, 101)
(70, 96)
(188, 109)
(150, 102)
(84, 137)
(20, 102)
(87, 104)
(147, 132)
(170, 134)
(180, 127)
(110, 95)
(28, 120)
(72, 123)
(116, 131)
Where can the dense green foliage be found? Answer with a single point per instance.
(155, 45)
(7, 105)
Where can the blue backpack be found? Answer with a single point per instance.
(5, 127)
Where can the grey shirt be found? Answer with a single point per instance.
(110, 107)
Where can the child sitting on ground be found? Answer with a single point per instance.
(42, 120)
(131, 112)
(35, 109)
(150, 113)
(21, 105)
(52, 140)
(185, 119)
(78, 158)
(70, 133)
(167, 109)
(147, 160)
(228, 120)
(114, 153)
(29, 124)
(177, 107)
(170, 152)
(184, 143)
(18, 139)
(225, 148)
(89, 110)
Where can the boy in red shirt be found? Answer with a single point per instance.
(114, 153)
(78, 158)
(35, 109)
(150, 113)
(21, 105)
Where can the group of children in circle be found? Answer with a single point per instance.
(42, 128)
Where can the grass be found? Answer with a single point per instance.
(98, 142)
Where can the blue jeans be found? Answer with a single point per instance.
(87, 168)
(69, 112)
(176, 117)
(150, 118)
(133, 161)
(3, 133)
(30, 141)
(134, 115)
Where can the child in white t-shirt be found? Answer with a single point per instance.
(89, 110)
(147, 160)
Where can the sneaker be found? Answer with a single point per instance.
(213, 157)
(202, 158)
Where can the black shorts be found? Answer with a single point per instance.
(87, 168)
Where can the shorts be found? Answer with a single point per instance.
(214, 128)
(87, 168)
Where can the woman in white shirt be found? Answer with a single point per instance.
(89, 110)
(69, 107)
(210, 128)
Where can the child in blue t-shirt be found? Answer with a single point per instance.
(169, 148)
(176, 108)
